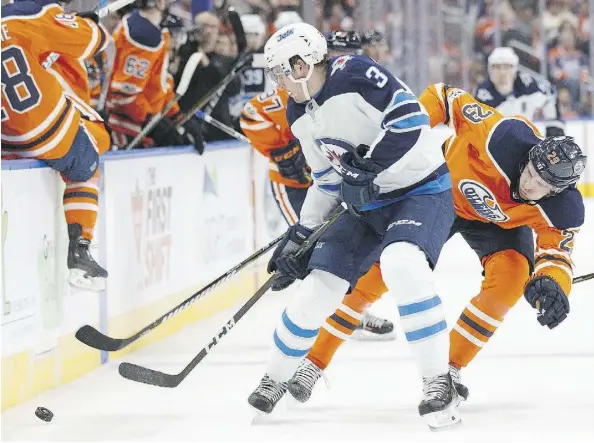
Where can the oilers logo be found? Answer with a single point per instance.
(482, 201)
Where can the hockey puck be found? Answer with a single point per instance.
(44, 414)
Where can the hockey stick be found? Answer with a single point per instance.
(113, 7)
(223, 127)
(582, 278)
(217, 91)
(95, 339)
(182, 87)
(157, 378)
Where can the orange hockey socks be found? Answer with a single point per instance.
(341, 325)
(506, 273)
(81, 203)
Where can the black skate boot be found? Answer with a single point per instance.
(303, 381)
(439, 407)
(374, 328)
(267, 394)
(85, 273)
(461, 389)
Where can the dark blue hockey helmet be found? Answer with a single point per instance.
(371, 37)
(345, 42)
(559, 161)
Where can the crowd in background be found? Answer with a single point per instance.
(552, 43)
(561, 33)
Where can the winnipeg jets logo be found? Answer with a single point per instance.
(340, 63)
(482, 200)
(332, 149)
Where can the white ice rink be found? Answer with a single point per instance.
(528, 384)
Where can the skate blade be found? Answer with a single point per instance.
(78, 280)
(362, 335)
(443, 420)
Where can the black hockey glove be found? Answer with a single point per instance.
(165, 133)
(90, 15)
(193, 134)
(291, 162)
(284, 261)
(546, 296)
(358, 173)
(553, 131)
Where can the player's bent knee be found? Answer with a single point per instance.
(406, 271)
(319, 295)
(508, 271)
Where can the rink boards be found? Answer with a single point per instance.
(170, 221)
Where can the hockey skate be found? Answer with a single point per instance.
(440, 405)
(461, 389)
(303, 381)
(374, 328)
(85, 273)
(267, 394)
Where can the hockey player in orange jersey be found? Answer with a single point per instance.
(139, 80)
(508, 182)
(41, 120)
(263, 121)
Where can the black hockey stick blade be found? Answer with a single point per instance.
(96, 339)
(149, 376)
(582, 278)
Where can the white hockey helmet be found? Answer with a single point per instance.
(503, 56)
(253, 24)
(299, 39)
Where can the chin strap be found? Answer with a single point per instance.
(303, 82)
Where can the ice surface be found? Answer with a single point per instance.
(528, 384)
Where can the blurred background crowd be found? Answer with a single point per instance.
(420, 41)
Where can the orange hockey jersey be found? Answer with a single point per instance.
(484, 157)
(263, 120)
(139, 77)
(38, 118)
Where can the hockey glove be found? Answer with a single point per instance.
(357, 187)
(165, 133)
(291, 162)
(193, 134)
(284, 261)
(553, 131)
(546, 296)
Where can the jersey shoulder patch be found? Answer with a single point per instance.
(142, 31)
(487, 93)
(565, 210)
(349, 73)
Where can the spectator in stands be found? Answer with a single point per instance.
(584, 28)
(568, 64)
(566, 106)
(213, 69)
(557, 12)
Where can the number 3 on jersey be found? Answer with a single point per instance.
(375, 74)
(18, 86)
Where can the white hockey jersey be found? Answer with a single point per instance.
(531, 98)
(362, 103)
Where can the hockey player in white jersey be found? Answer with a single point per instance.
(518, 93)
(369, 145)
